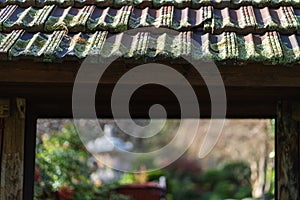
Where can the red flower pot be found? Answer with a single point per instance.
(147, 191)
(64, 193)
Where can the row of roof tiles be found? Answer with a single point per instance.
(246, 19)
(152, 3)
(270, 48)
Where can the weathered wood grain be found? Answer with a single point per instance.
(12, 167)
(287, 149)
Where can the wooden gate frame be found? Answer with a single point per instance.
(253, 91)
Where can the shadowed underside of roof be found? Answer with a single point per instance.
(237, 31)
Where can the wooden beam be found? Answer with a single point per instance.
(12, 166)
(259, 86)
(251, 75)
(287, 152)
(251, 102)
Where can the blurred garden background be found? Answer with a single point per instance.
(241, 166)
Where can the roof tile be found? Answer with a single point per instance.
(265, 48)
(5, 14)
(151, 17)
(291, 48)
(243, 20)
(29, 44)
(30, 19)
(223, 46)
(176, 3)
(200, 46)
(264, 19)
(115, 20)
(284, 18)
(52, 44)
(138, 44)
(6, 42)
(246, 48)
(270, 48)
(102, 3)
(195, 4)
(77, 46)
(71, 19)
(186, 19)
(297, 16)
(22, 3)
(235, 31)
(61, 3)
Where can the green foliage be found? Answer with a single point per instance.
(211, 196)
(238, 172)
(127, 179)
(155, 175)
(225, 188)
(212, 177)
(231, 181)
(61, 161)
(61, 166)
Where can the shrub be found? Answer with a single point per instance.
(61, 169)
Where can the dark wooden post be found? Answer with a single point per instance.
(12, 113)
(287, 151)
(29, 159)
